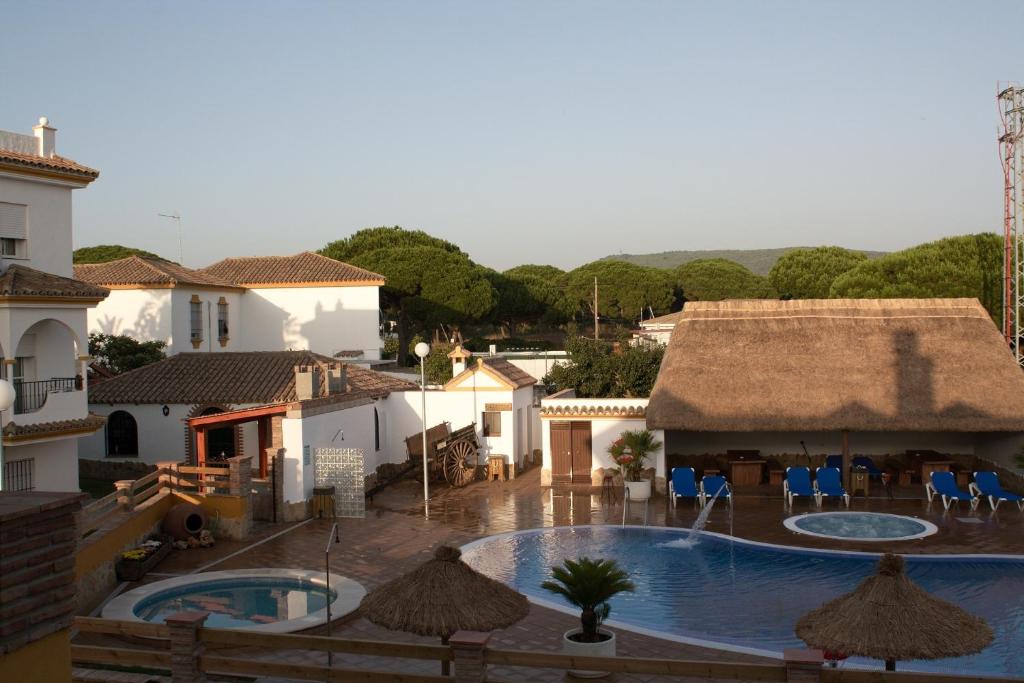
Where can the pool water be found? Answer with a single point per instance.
(862, 526)
(238, 602)
(748, 596)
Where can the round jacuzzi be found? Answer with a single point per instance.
(860, 526)
(264, 600)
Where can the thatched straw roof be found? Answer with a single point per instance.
(890, 617)
(857, 364)
(442, 596)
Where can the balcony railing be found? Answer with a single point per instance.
(30, 396)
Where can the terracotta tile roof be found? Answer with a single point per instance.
(232, 377)
(91, 423)
(54, 163)
(140, 271)
(300, 268)
(21, 280)
(512, 374)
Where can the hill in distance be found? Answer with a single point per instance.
(759, 261)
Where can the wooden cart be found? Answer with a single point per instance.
(451, 455)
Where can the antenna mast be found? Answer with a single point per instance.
(1011, 154)
(176, 217)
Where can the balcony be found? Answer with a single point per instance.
(31, 396)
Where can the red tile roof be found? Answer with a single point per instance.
(512, 374)
(231, 377)
(20, 280)
(140, 271)
(305, 267)
(54, 163)
(17, 432)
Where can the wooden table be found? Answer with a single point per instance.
(746, 472)
(776, 477)
(930, 466)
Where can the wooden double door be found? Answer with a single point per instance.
(570, 453)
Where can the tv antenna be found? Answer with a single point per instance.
(176, 217)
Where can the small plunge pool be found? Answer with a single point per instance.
(860, 526)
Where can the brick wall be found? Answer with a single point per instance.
(38, 539)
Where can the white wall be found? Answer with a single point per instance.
(56, 463)
(49, 223)
(143, 314)
(322, 319)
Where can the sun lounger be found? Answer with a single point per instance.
(712, 484)
(987, 484)
(944, 485)
(868, 464)
(683, 484)
(834, 461)
(798, 483)
(828, 483)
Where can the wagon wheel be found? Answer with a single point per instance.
(460, 463)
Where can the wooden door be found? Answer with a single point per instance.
(561, 453)
(581, 453)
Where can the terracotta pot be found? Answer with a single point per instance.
(605, 648)
(184, 521)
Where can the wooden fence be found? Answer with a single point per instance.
(181, 646)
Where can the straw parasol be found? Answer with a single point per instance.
(442, 596)
(890, 617)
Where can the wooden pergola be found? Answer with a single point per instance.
(261, 415)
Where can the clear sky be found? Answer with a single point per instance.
(541, 132)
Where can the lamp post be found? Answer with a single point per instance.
(422, 349)
(7, 395)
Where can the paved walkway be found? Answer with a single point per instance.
(396, 536)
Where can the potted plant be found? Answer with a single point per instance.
(589, 585)
(630, 452)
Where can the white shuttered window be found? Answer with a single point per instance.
(13, 229)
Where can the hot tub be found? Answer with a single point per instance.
(860, 526)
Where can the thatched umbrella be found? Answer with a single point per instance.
(442, 596)
(890, 617)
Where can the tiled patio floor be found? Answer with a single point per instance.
(396, 535)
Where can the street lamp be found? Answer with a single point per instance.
(421, 350)
(7, 395)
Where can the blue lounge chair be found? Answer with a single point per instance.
(711, 484)
(828, 483)
(798, 483)
(868, 464)
(944, 484)
(987, 484)
(683, 484)
(834, 461)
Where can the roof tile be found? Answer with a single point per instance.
(54, 163)
(137, 270)
(304, 267)
(20, 280)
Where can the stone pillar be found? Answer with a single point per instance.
(124, 494)
(186, 648)
(803, 665)
(240, 475)
(276, 458)
(468, 649)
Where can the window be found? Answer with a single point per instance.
(122, 435)
(222, 320)
(196, 320)
(492, 424)
(18, 475)
(376, 430)
(13, 230)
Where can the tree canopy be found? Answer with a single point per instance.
(603, 369)
(533, 270)
(372, 239)
(809, 273)
(624, 289)
(964, 266)
(718, 279)
(121, 353)
(102, 253)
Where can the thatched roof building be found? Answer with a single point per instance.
(865, 365)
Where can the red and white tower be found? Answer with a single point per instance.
(1011, 154)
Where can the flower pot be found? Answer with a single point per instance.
(184, 520)
(639, 490)
(606, 648)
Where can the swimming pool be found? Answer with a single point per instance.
(267, 600)
(746, 596)
(860, 526)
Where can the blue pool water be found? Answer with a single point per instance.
(238, 602)
(750, 596)
(868, 526)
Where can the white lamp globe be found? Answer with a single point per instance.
(422, 349)
(6, 394)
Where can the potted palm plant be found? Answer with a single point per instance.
(630, 453)
(589, 585)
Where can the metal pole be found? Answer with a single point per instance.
(423, 396)
(327, 575)
(597, 333)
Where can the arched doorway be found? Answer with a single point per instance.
(220, 443)
(122, 435)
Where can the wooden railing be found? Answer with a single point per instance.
(192, 652)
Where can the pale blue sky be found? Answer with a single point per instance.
(535, 132)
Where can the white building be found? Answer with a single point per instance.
(656, 330)
(43, 328)
(265, 303)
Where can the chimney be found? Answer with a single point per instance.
(459, 357)
(307, 382)
(47, 136)
(337, 378)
